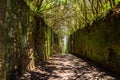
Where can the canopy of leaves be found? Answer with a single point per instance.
(66, 16)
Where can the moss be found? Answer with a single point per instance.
(101, 43)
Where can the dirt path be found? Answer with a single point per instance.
(67, 67)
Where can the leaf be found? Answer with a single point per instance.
(117, 1)
(44, 7)
(47, 6)
(64, 1)
(107, 6)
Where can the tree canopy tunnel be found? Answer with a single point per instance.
(33, 30)
(67, 16)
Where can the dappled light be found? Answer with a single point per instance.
(60, 40)
(68, 67)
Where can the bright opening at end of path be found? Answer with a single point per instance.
(64, 45)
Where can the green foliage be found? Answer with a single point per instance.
(107, 6)
(63, 1)
(46, 7)
(117, 1)
(70, 13)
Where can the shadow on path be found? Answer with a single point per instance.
(67, 67)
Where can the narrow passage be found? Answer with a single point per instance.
(68, 67)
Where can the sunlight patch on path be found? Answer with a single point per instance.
(69, 67)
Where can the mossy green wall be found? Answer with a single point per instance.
(18, 37)
(100, 42)
(19, 30)
(45, 40)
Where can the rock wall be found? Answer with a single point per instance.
(100, 42)
(21, 31)
(2, 41)
(46, 40)
(20, 46)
